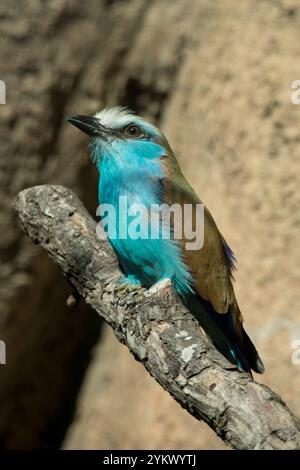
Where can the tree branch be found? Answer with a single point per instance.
(157, 328)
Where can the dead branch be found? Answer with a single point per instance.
(157, 328)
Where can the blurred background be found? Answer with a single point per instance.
(216, 77)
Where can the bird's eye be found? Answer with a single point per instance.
(133, 131)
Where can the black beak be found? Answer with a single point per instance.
(89, 125)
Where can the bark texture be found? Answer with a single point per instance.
(156, 328)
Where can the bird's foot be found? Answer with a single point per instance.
(127, 285)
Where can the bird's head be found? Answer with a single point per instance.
(118, 134)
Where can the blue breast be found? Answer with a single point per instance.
(137, 180)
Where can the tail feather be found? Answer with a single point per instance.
(221, 329)
(255, 361)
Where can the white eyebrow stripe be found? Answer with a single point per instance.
(109, 116)
(119, 117)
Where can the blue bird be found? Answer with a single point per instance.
(135, 162)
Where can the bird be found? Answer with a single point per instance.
(135, 160)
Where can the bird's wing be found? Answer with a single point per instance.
(211, 266)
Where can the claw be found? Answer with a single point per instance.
(126, 286)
